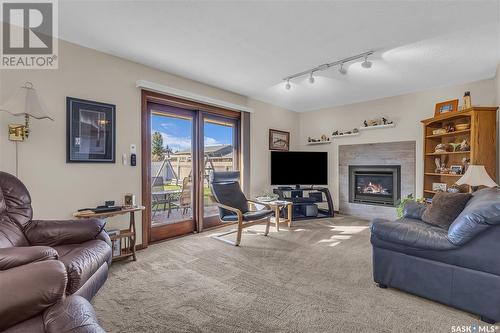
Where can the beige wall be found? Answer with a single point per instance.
(265, 118)
(57, 188)
(405, 110)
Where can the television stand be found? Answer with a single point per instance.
(307, 203)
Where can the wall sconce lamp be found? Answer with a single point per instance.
(27, 103)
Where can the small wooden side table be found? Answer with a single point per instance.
(127, 235)
(277, 206)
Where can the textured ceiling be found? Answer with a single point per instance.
(248, 47)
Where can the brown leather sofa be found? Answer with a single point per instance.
(48, 269)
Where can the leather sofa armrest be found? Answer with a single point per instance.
(414, 210)
(29, 289)
(11, 257)
(74, 314)
(59, 232)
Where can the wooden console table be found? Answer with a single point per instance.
(127, 235)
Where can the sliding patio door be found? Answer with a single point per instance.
(182, 146)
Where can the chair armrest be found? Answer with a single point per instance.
(29, 289)
(255, 203)
(74, 314)
(231, 209)
(59, 232)
(11, 257)
(414, 210)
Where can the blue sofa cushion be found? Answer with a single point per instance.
(411, 232)
(482, 211)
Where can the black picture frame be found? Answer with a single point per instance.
(90, 131)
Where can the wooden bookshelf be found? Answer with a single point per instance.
(481, 136)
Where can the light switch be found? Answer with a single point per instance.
(124, 159)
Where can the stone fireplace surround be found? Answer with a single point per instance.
(389, 153)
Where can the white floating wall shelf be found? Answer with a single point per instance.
(377, 127)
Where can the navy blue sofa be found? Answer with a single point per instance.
(459, 267)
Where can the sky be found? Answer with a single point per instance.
(176, 132)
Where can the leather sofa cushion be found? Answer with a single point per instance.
(15, 200)
(414, 210)
(249, 216)
(17, 256)
(411, 232)
(445, 208)
(82, 261)
(482, 211)
(73, 314)
(29, 289)
(11, 234)
(480, 254)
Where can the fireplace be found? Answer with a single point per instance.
(375, 184)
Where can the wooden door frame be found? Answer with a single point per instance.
(153, 97)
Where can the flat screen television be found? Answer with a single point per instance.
(299, 168)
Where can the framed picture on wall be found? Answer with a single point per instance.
(279, 140)
(90, 131)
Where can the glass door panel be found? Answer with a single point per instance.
(219, 154)
(172, 165)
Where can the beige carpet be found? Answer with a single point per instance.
(315, 277)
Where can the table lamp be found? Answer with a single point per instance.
(27, 103)
(476, 176)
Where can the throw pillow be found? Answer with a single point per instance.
(445, 208)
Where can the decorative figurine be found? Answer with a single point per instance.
(437, 161)
(355, 130)
(443, 148)
(456, 146)
(365, 123)
(465, 146)
(465, 163)
(335, 133)
(450, 128)
(323, 137)
(467, 101)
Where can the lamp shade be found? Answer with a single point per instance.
(476, 175)
(26, 102)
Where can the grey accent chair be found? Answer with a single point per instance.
(234, 206)
(458, 266)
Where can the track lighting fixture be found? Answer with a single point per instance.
(365, 64)
(311, 78)
(342, 70)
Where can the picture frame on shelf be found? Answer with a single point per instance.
(90, 130)
(436, 187)
(456, 169)
(279, 140)
(446, 107)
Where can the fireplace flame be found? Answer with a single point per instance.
(372, 188)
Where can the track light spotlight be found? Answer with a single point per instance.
(287, 85)
(311, 78)
(366, 63)
(342, 70)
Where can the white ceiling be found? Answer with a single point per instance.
(248, 47)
